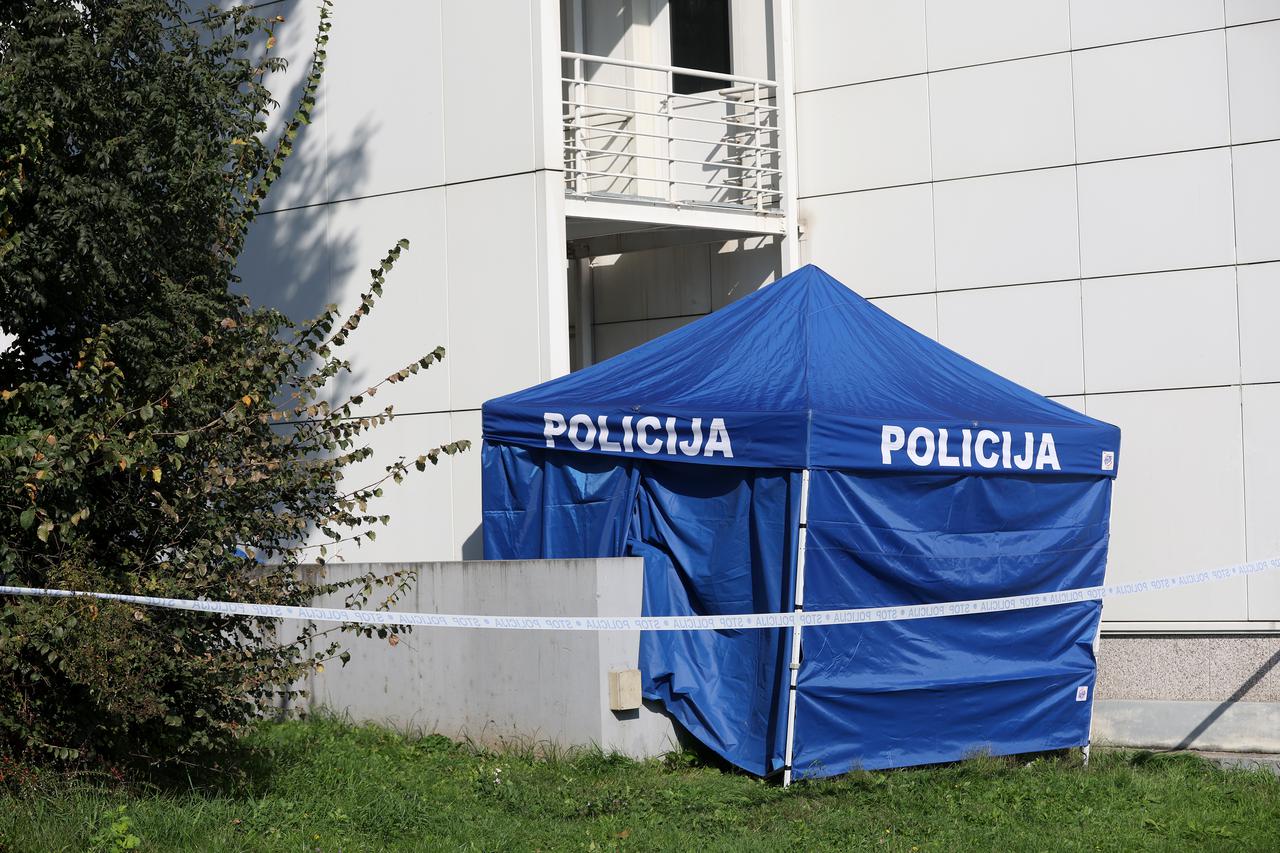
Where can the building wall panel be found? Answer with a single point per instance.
(1259, 295)
(1249, 11)
(1178, 501)
(1151, 97)
(491, 89)
(384, 99)
(1164, 330)
(494, 327)
(1156, 213)
(1256, 176)
(464, 482)
(879, 242)
(407, 322)
(740, 267)
(859, 137)
(920, 312)
(1006, 229)
(1253, 65)
(1002, 117)
(839, 42)
(1029, 333)
(1262, 485)
(989, 30)
(1100, 22)
(421, 507)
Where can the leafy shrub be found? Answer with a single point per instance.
(161, 436)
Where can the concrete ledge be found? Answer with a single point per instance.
(1244, 760)
(499, 687)
(1215, 726)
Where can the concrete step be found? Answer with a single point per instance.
(1242, 760)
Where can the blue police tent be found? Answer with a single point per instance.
(803, 448)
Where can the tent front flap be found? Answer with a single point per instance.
(920, 691)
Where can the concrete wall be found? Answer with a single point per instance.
(1081, 195)
(498, 686)
(642, 295)
(436, 121)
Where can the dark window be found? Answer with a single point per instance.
(700, 39)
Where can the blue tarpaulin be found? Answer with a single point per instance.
(932, 480)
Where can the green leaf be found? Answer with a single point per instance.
(27, 518)
(181, 439)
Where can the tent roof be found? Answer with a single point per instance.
(805, 373)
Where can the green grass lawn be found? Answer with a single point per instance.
(323, 785)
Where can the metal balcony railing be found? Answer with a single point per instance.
(629, 135)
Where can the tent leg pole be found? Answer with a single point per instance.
(797, 612)
(1097, 644)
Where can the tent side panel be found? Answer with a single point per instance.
(716, 541)
(914, 692)
(548, 504)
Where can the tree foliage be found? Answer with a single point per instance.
(158, 434)
(133, 143)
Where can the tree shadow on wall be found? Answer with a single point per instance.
(293, 260)
(1189, 741)
(317, 237)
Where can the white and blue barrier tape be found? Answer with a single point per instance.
(746, 621)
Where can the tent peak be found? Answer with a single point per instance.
(804, 372)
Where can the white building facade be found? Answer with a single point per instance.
(1083, 195)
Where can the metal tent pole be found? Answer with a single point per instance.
(796, 612)
(1097, 643)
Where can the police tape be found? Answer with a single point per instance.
(727, 622)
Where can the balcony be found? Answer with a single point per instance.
(672, 146)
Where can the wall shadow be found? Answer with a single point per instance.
(1240, 692)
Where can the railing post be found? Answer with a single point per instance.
(666, 132)
(757, 156)
(579, 136)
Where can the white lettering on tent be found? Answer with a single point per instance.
(1047, 455)
(892, 437)
(985, 437)
(718, 440)
(605, 443)
(692, 448)
(914, 453)
(945, 460)
(552, 425)
(642, 434)
(626, 434)
(586, 442)
(987, 449)
(648, 434)
(1023, 460)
